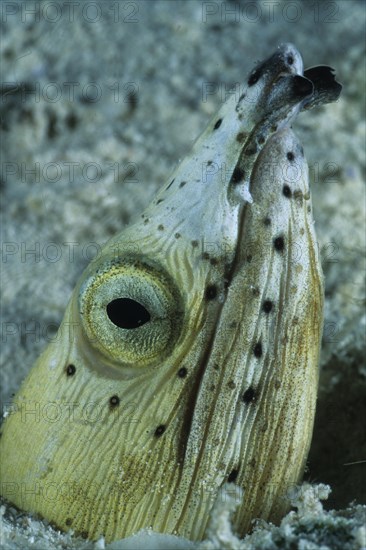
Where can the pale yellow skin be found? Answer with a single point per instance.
(81, 462)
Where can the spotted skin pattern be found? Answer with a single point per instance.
(188, 354)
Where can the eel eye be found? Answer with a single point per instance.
(131, 312)
(127, 313)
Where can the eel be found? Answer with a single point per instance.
(188, 354)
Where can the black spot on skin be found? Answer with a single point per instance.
(194, 244)
(267, 306)
(211, 292)
(274, 128)
(290, 156)
(241, 137)
(250, 395)
(218, 124)
(209, 162)
(206, 256)
(68, 521)
(309, 209)
(182, 183)
(170, 184)
(159, 201)
(161, 227)
(182, 373)
(114, 401)
(254, 77)
(177, 235)
(279, 243)
(214, 261)
(84, 534)
(290, 59)
(267, 221)
(233, 475)
(160, 430)
(70, 370)
(257, 350)
(251, 150)
(241, 97)
(146, 221)
(286, 191)
(238, 175)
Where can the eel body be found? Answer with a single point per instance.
(188, 354)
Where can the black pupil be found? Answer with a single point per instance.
(127, 313)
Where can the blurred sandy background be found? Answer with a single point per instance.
(99, 102)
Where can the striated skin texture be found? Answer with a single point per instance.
(188, 354)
